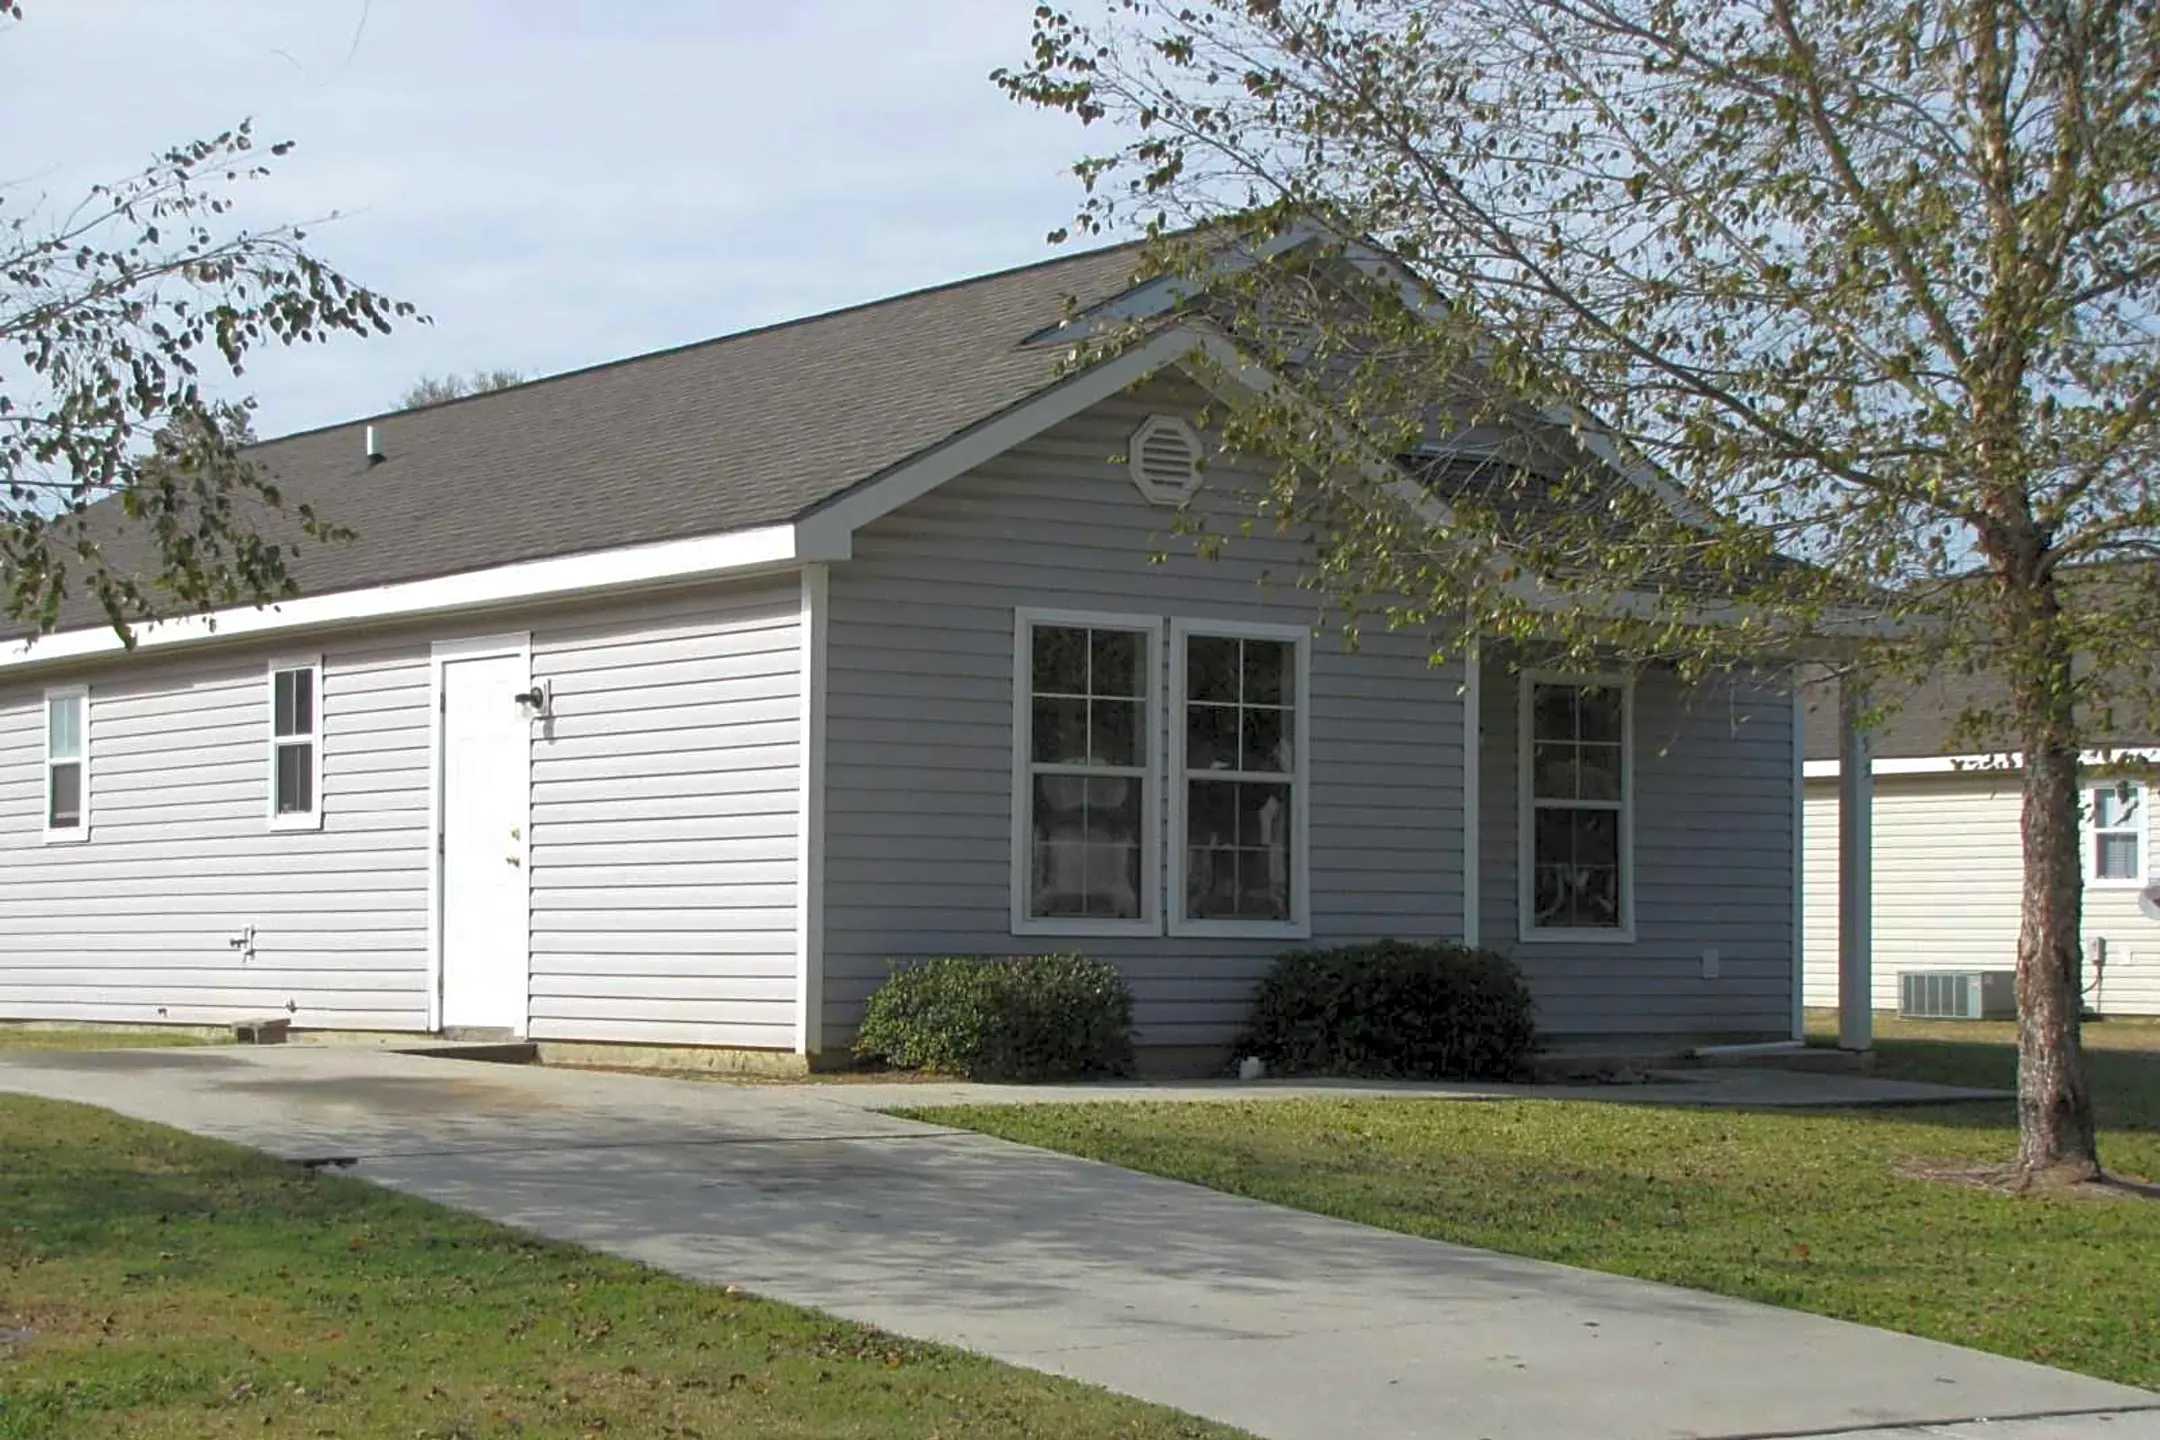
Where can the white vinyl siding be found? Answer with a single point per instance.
(663, 851)
(665, 797)
(140, 925)
(1948, 880)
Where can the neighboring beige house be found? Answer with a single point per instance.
(1947, 867)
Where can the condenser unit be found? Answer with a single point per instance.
(1957, 994)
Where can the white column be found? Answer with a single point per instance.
(1856, 898)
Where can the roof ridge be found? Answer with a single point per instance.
(771, 327)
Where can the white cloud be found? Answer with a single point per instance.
(563, 183)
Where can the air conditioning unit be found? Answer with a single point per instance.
(1957, 995)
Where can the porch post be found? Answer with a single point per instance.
(1856, 899)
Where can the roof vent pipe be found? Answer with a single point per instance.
(374, 451)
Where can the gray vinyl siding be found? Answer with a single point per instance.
(665, 799)
(919, 815)
(1714, 823)
(1948, 876)
(136, 924)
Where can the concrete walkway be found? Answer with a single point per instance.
(1287, 1324)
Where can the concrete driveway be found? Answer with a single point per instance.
(1288, 1324)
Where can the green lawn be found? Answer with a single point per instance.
(1806, 1209)
(23, 1037)
(179, 1287)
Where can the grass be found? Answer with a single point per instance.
(180, 1287)
(1812, 1210)
(23, 1037)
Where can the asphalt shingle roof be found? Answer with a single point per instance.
(746, 430)
(1922, 719)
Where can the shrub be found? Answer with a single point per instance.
(1392, 1008)
(1038, 1017)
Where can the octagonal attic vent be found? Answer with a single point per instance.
(1166, 460)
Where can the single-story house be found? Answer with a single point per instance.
(672, 701)
(1947, 861)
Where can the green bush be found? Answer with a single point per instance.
(1392, 1008)
(1037, 1017)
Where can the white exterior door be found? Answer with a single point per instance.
(486, 911)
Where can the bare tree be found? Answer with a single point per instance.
(437, 389)
(110, 310)
(1869, 284)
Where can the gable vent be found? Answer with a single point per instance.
(1165, 460)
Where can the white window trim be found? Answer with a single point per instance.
(1299, 925)
(78, 834)
(1025, 622)
(297, 820)
(2090, 832)
(1525, 835)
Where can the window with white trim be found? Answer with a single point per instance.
(295, 744)
(67, 764)
(1085, 860)
(1575, 780)
(2116, 820)
(1241, 790)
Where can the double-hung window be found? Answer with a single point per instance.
(1239, 802)
(295, 744)
(2115, 816)
(67, 764)
(1576, 819)
(1085, 854)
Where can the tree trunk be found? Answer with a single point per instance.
(2056, 1142)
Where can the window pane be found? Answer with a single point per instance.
(1597, 714)
(1086, 846)
(1576, 868)
(1115, 731)
(1211, 669)
(2116, 807)
(1597, 772)
(1237, 854)
(1552, 772)
(63, 727)
(1552, 712)
(1270, 673)
(65, 812)
(1211, 737)
(1264, 742)
(1061, 732)
(295, 779)
(294, 698)
(1115, 663)
(1061, 660)
(2117, 857)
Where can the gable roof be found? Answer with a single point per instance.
(742, 431)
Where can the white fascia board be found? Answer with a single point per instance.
(770, 548)
(838, 519)
(2003, 762)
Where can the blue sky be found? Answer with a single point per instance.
(562, 183)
